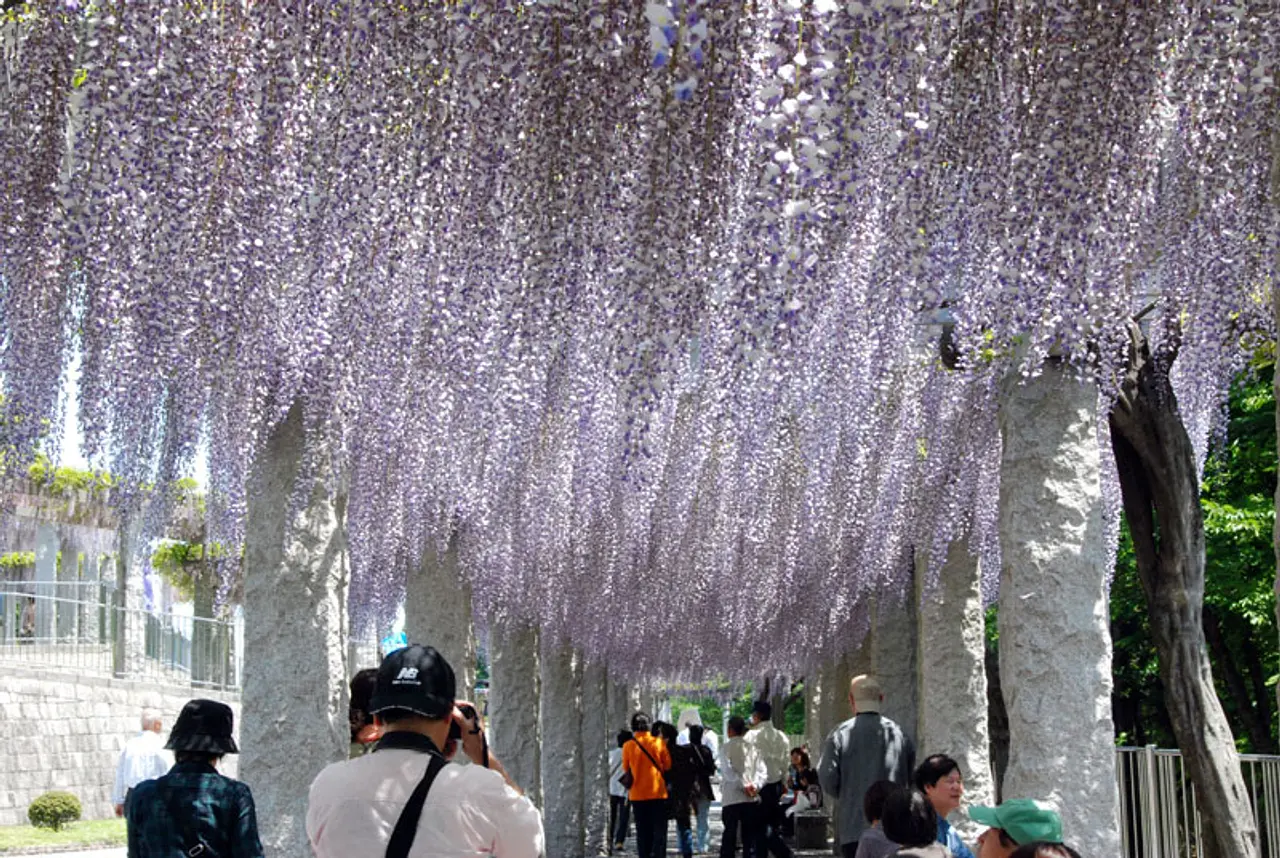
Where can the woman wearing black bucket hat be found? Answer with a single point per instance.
(193, 810)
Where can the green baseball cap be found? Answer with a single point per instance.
(1024, 819)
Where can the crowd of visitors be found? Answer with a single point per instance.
(397, 796)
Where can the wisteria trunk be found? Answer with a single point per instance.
(1161, 491)
(294, 706)
(1055, 643)
(437, 612)
(562, 769)
(953, 678)
(513, 704)
(597, 738)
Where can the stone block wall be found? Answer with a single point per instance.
(60, 731)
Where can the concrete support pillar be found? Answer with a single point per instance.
(128, 620)
(953, 681)
(437, 612)
(1055, 646)
(813, 696)
(597, 738)
(893, 656)
(209, 646)
(91, 598)
(295, 690)
(514, 704)
(68, 586)
(106, 595)
(619, 709)
(46, 591)
(562, 770)
(649, 701)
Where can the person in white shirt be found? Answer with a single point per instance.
(741, 776)
(619, 809)
(142, 759)
(775, 753)
(404, 800)
(690, 716)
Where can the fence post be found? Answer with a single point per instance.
(1149, 795)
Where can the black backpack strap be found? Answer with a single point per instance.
(649, 755)
(407, 824)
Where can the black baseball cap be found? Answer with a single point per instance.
(417, 679)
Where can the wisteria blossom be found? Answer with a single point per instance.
(644, 301)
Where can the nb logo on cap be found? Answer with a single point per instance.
(407, 673)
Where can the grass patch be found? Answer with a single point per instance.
(91, 832)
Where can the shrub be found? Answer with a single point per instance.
(54, 810)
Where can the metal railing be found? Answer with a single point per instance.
(89, 632)
(1159, 817)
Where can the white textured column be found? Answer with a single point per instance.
(294, 702)
(953, 679)
(1055, 645)
(437, 612)
(513, 704)
(128, 618)
(561, 719)
(893, 656)
(68, 586)
(814, 693)
(91, 598)
(620, 710)
(596, 738)
(208, 655)
(46, 589)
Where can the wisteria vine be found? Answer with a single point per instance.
(643, 301)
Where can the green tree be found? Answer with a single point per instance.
(1239, 604)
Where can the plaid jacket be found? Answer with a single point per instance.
(218, 810)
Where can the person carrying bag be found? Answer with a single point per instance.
(406, 799)
(647, 759)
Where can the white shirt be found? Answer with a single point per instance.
(470, 810)
(615, 772)
(142, 759)
(739, 765)
(709, 739)
(773, 748)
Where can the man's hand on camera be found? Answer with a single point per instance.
(468, 719)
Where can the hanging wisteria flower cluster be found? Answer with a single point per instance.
(642, 300)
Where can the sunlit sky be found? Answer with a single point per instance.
(71, 453)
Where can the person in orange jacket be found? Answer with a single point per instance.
(647, 759)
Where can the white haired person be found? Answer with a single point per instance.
(194, 810)
(143, 758)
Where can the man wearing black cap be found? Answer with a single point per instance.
(402, 800)
(193, 810)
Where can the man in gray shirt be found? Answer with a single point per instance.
(865, 749)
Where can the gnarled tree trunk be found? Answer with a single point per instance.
(1162, 503)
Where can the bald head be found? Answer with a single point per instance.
(865, 694)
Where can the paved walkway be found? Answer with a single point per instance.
(672, 850)
(717, 829)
